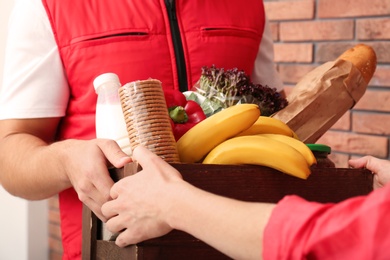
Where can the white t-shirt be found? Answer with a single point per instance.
(34, 83)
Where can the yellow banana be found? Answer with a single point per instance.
(207, 134)
(298, 145)
(268, 125)
(260, 150)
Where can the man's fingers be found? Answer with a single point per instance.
(108, 209)
(95, 208)
(93, 198)
(99, 190)
(116, 224)
(150, 161)
(103, 186)
(143, 156)
(125, 239)
(115, 190)
(373, 164)
(358, 163)
(113, 152)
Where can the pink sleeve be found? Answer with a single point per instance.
(357, 228)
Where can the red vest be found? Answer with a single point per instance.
(134, 40)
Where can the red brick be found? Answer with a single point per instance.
(382, 50)
(351, 8)
(274, 27)
(288, 10)
(55, 256)
(374, 100)
(53, 202)
(55, 230)
(293, 52)
(356, 143)
(330, 51)
(381, 77)
(344, 123)
(340, 160)
(294, 73)
(317, 30)
(54, 216)
(370, 29)
(371, 123)
(55, 245)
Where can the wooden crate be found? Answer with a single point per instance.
(249, 183)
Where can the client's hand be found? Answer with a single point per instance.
(379, 167)
(140, 201)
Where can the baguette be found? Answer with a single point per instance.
(324, 94)
(363, 57)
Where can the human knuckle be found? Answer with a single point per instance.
(85, 185)
(82, 197)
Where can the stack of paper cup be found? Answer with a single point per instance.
(147, 120)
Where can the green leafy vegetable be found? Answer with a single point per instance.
(233, 86)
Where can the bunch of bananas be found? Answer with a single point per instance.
(240, 135)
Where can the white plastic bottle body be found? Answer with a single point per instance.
(110, 124)
(110, 121)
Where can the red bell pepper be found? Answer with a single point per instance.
(184, 113)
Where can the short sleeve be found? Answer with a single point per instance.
(34, 84)
(264, 71)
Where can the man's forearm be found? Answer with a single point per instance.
(30, 168)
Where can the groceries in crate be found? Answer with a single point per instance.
(223, 138)
(234, 121)
(235, 107)
(313, 106)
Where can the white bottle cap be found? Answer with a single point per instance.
(103, 78)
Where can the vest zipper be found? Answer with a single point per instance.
(178, 45)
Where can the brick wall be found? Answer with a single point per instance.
(308, 33)
(55, 244)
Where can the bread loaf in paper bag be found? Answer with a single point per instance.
(327, 92)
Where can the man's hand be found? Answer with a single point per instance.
(140, 201)
(86, 165)
(380, 168)
(35, 167)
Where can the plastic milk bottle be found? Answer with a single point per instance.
(110, 122)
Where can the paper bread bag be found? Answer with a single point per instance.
(323, 95)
